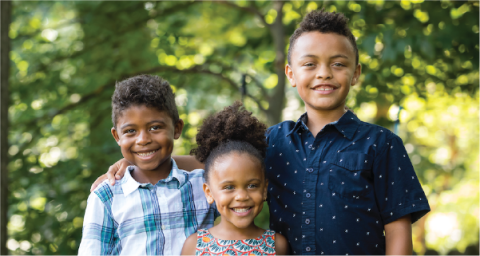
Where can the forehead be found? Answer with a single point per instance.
(136, 114)
(237, 166)
(322, 45)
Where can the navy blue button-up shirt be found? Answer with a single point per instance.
(333, 193)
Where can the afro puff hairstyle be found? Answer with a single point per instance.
(233, 129)
(147, 90)
(323, 22)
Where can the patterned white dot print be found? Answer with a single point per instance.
(295, 171)
(294, 215)
(406, 190)
(380, 176)
(304, 159)
(399, 168)
(321, 229)
(368, 138)
(346, 206)
(413, 178)
(374, 145)
(288, 163)
(366, 161)
(273, 145)
(358, 219)
(333, 217)
(386, 198)
(346, 230)
(343, 183)
(321, 184)
(303, 236)
(280, 154)
(306, 143)
(334, 241)
(324, 161)
(366, 186)
(368, 233)
(321, 205)
(341, 160)
(403, 155)
(369, 209)
(393, 182)
(381, 130)
(353, 143)
(278, 176)
(391, 213)
(284, 184)
(294, 193)
(330, 170)
(355, 174)
(358, 244)
(333, 194)
(286, 206)
(297, 150)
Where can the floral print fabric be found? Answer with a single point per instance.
(209, 245)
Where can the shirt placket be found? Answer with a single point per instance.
(313, 153)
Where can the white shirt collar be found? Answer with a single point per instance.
(129, 184)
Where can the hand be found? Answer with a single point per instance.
(115, 171)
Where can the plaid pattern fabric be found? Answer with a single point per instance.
(131, 218)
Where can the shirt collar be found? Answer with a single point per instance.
(347, 124)
(129, 184)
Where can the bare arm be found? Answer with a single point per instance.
(188, 163)
(281, 245)
(115, 171)
(398, 236)
(190, 245)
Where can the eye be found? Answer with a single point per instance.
(155, 127)
(129, 131)
(309, 64)
(228, 187)
(252, 186)
(338, 64)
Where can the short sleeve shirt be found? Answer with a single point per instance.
(333, 193)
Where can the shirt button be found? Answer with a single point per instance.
(310, 169)
(308, 249)
(308, 195)
(307, 221)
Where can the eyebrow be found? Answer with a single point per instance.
(333, 57)
(151, 122)
(231, 181)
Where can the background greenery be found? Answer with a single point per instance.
(420, 57)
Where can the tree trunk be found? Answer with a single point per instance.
(5, 7)
(276, 101)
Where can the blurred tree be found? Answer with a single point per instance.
(5, 8)
(66, 57)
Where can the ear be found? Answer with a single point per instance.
(115, 135)
(178, 128)
(265, 190)
(208, 193)
(290, 75)
(356, 74)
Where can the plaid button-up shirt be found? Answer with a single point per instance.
(131, 218)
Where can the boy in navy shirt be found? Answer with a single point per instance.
(337, 185)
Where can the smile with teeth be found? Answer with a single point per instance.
(241, 209)
(146, 153)
(324, 89)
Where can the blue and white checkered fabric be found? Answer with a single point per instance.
(131, 218)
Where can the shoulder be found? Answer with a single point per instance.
(281, 245)
(106, 192)
(190, 245)
(281, 128)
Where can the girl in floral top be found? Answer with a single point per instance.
(232, 146)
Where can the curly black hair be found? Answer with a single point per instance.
(233, 129)
(323, 22)
(148, 90)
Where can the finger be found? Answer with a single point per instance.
(97, 182)
(111, 174)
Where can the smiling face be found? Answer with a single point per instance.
(145, 136)
(238, 186)
(322, 69)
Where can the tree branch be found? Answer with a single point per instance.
(247, 9)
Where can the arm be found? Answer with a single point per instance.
(190, 245)
(98, 234)
(115, 171)
(281, 245)
(398, 236)
(188, 163)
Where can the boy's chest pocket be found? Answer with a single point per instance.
(350, 175)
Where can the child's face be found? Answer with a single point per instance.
(238, 186)
(145, 136)
(323, 69)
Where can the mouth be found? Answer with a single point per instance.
(146, 153)
(241, 212)
(324, 89)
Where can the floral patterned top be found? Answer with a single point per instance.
(209, 245)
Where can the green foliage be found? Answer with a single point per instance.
(66, 57)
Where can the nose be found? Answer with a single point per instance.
(324, 72)
(242, 195)
(144, 138)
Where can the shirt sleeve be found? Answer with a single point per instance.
(98, 234)
(397, 189)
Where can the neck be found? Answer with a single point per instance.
(317, 119)
(154, 175)
(227, 231)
